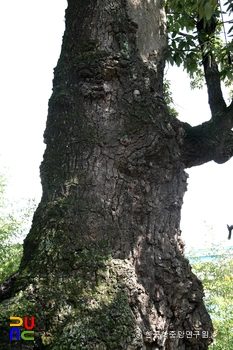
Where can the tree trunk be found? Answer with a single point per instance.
(103, 265)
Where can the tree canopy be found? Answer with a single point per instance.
(197, 29)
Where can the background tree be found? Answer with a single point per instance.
(103, 264)
(14, 224)
(216, 276)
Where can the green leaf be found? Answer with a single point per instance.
(201, 12)
(208, 11)
(229, 75)
(177, 59)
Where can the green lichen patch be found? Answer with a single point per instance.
(79, 311)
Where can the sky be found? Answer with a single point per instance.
(31, 35)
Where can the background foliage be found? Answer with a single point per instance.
(217, 278)
(184, 47)
(15, 220)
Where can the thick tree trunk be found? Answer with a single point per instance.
(103, 264)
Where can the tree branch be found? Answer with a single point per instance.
(212, 140)
(212, 75)
(212, 78)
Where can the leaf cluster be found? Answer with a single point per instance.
(169, 98)
(183, 43)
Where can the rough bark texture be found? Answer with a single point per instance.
(103, 265)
